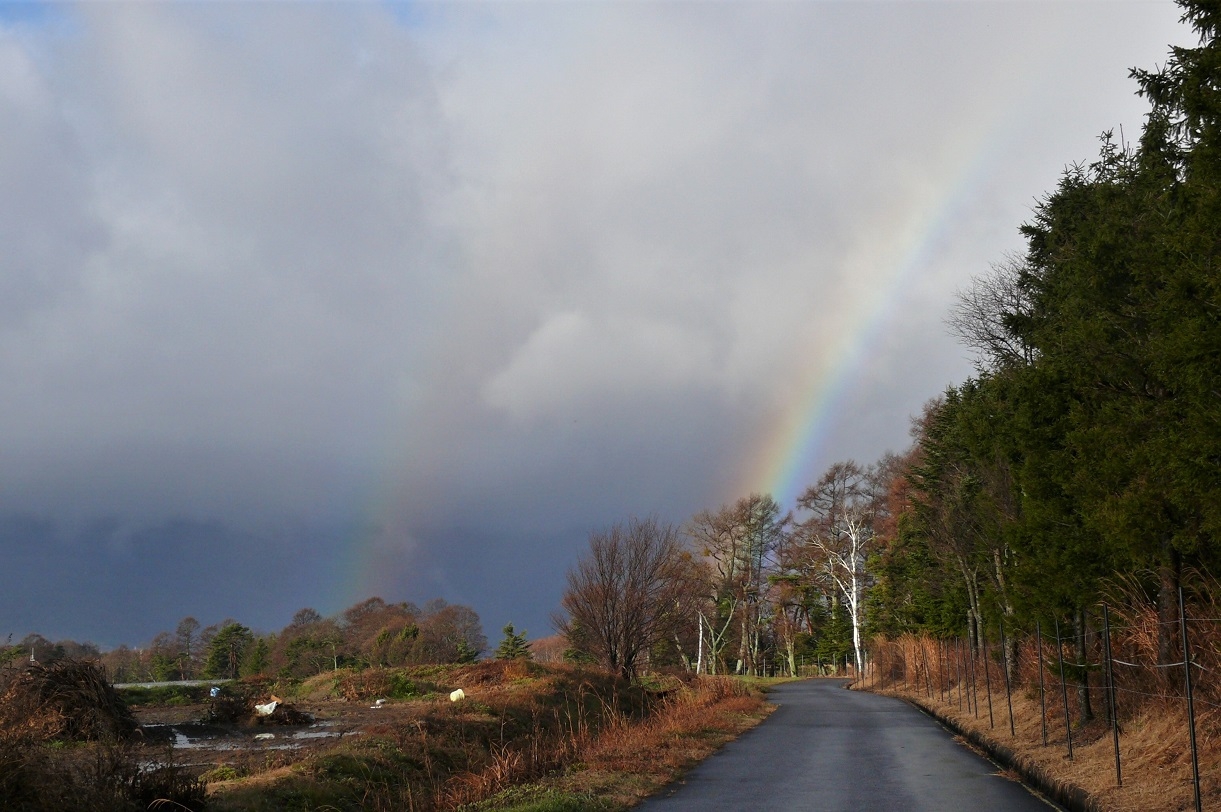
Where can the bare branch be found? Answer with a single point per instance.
(990, 312)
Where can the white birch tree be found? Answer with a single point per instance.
(839, 535)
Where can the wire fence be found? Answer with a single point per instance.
(1108, 666)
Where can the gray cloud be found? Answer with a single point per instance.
(382, 294)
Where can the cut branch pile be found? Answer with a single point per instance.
(63, 700)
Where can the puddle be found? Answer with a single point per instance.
(191, 735)
(198, 736)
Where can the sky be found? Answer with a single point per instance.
(303, 303)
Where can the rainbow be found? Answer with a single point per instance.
(791, 455)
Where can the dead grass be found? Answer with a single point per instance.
(1153, 743)
(572, 737)
(637, 745)
(628, 762)
(67, 741)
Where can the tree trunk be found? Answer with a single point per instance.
(1169, 577)
(1012, 652)
(1007, 613)
(854, 608)
(1083, 684)
(971, 579)
(744, 641)
(699, 657)
(682, 655)
(754, 643)
(973, 614)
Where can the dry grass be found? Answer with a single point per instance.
(630, 753)
(67, 741)
(1154, 739)
(629, 760)
(524, 729)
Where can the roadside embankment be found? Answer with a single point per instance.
(1154, 752)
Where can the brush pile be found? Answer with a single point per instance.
(66, 700)
(71, 700)
(284, 715)
(240, 710)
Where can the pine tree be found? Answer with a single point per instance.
(257, 658)
(514, 646)
(225, 652)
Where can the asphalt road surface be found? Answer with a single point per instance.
(833, 749)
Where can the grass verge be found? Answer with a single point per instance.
(1154, 750)
(529, 737)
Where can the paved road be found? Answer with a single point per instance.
(828, 748)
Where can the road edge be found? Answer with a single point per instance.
(1068, 795)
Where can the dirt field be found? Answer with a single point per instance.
(199, 743)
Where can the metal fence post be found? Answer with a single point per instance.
(1005, 668)
(940, 670)
(958, 669)
(1038, 631)
(1112, 709)
(983, 641)
(1068, 724)
(928, 685)
(1191, 707)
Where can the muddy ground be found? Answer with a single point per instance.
(190, 740)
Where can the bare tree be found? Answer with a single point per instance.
(370, 626)
(187, 638)
(718, 538)
(989, 315)
(622, 597)
(741, 541)
(449, 633)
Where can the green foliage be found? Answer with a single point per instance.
(312, 654)
(225, 652)
(466, 653)
(835, 636)
(577, 656)
(1095, 450)
(912, 591)
(221, 772)
(163, 667)
(402, 686)
(513, 646)
(257, 658)
(165, 695)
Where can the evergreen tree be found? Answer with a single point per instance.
(513, 646)
(257, 658)
(1090, 444)
(226, 650)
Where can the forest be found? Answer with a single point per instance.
(369, 633)
(1086, 452)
